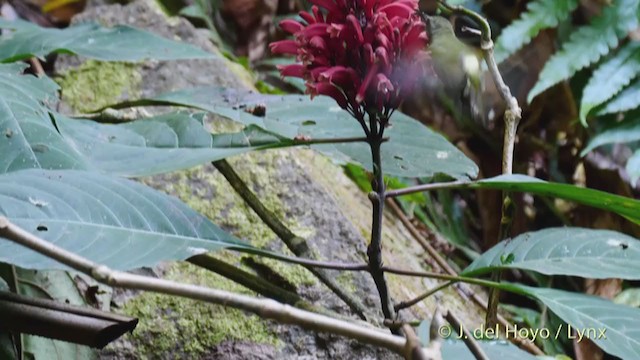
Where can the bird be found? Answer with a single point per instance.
(457, 66)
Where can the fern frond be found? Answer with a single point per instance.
(588, 44)
(628, 99)
(624, 132)
(610, 78)
(540, 14)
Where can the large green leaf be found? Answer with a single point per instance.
(540, 14)
(627, 207)
(611, 77)
(623, 132)
(588, 44)
(454, 348)
(628, 99)
(160, 144)
(28, 138)
(413, 150)
(597, 254)
(113, 221)
(591, 315)
(122, 43)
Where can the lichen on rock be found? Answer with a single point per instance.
(95, 84)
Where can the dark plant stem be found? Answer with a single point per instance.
(250, 281)
(296, 244)
(377, 196)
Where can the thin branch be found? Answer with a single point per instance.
(410, 303)
(331, 140)
(265, 308)
(309, 263)
(427, 187)
(433, 275)
(462, 288)
(296, 244)
(36, 65)
(246, 279)
(466, 336)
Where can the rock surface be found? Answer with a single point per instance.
(303, 188)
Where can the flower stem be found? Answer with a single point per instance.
(374, 250)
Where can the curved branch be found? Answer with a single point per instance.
(265, 308)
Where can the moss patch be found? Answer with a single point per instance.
(172, 323)
(96, 84)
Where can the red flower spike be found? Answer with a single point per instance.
(365, 54)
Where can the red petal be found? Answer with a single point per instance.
(329, 5)
(284, 47)
(398, 9)
(315, 30)
(340, 75)
(328, 90)
(351, 19)
(307, 17)
(373, 70)
(383, 84)
(291, 26)
(335, 30)
(318, 43)
(293, 70)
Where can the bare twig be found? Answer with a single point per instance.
(522, 342)
(265, 308)
(36, 66)
(466, 336)
(309, 263)
(426, 294)
(427, 187)
(296, 244)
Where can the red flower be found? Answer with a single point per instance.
(366, 54)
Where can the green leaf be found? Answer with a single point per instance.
(596, 254)
(119, 43)
(494, 349)
(540, 14)
(454, 348)
(112, 221)
(159, 144)
(611, 77)
(628, 99)
(633, 167)
(588, 44)
(623, 132)
(413, 150)
(591, 315)
(28, 139)
(627, 207)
